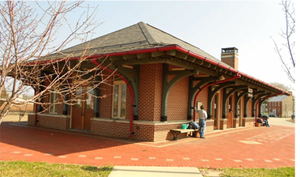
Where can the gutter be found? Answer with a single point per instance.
(163, 49)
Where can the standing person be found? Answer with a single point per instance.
(202, 121)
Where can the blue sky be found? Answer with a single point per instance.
(209, 25)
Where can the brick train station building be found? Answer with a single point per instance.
(163, 79)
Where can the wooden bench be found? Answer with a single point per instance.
(260, 124)
(176, 132)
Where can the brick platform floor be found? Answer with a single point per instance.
(241, 147)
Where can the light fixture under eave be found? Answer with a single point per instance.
(201, 75)
(178, 69)
(127, 66)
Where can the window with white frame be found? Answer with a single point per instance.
(90, 98)
(119, 100)
(53, 102)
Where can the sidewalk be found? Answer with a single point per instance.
(254, 147)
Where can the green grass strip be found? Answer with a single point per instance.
(259, 172)
(36, 169)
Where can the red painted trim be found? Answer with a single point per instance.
(262, 99)
(167, 48)
(210, 84)
(131, 93)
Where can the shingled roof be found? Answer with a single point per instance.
(278, 98)
(135, 37)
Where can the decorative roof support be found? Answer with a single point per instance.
(247, 99)
(133, 80)
(226, 95)
(193, 90)
(255, 100)
(237, 100)
(167, 85)
(212, 93)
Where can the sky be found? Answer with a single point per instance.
(210, 26)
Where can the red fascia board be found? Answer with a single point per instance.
(168, 48)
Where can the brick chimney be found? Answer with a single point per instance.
(230, 57)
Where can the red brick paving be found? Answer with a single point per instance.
(219, 150)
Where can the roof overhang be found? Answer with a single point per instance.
(182, 54)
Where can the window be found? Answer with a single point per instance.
(90, 98)
(275, 103)
(53, 102)
(119, 100)
(78, 98)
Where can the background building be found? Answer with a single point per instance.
(281, 106)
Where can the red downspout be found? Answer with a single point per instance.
(131, 93)
(210, 84)
(262, 99)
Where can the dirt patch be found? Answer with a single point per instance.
(210, 172)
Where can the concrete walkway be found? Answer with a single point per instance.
(138, 171)
(281, 121)
(253, 147)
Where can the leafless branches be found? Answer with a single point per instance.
(30, 54)
(287, 63)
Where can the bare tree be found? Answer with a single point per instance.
(288, 62)
(280, 85)
(31, 56)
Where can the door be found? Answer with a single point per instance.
(83, 109)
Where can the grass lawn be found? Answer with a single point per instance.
(33, 169)
(42, 169)
(250, 172)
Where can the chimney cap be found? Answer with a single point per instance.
(229, 50)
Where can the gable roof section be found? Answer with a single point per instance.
(142, 38)
(278, 98)
(135, 37)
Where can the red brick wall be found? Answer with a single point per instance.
(177, 108)
(56, 122)
(122, 129)
(150, 92)
(31, 119)
(235, 122)
(223, 124)
(162, 132)
(249, 122)
(249, 108)
(106, 103)
(202, 97)
(110, 128)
